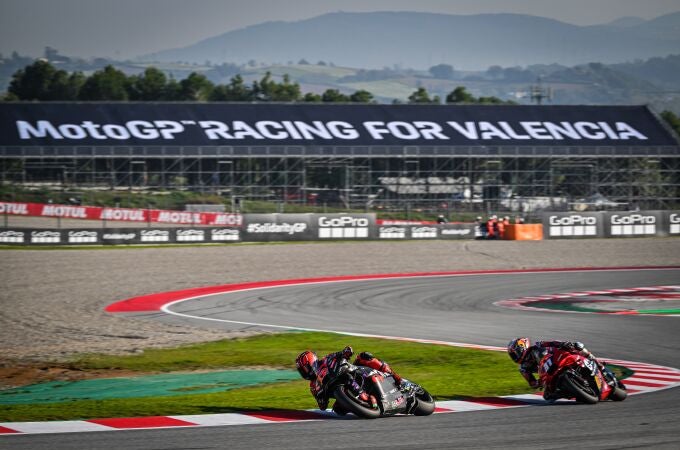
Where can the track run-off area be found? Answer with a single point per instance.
(448, 308)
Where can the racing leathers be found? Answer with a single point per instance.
(317, 385)
(529, 365)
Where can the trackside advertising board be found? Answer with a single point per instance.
(573, 225)
(278, 227)
(121, 214)
(118, 236)
(316, 127)
(611, 224)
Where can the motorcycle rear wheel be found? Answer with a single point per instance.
(574, 386)
(425, 405)
(349, 404)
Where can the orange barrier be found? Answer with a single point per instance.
(524, 232)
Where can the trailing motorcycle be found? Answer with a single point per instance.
(571, 375)
(369, 393)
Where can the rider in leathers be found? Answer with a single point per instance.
(320, 369)
(529, 356)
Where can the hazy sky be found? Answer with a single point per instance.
(127, 28)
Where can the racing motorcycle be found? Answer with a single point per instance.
(572, 375)
(369, 393)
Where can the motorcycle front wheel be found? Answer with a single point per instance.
(579, 388)
(350, 404)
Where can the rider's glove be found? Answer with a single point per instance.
(347, 352)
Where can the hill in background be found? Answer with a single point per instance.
(421, 40)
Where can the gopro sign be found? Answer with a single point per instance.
(573, 225)
(674, 223)
(344, 226)
(633, 224)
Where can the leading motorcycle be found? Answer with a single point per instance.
(369, 393)
(571, 375)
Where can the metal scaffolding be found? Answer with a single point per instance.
(474, 179)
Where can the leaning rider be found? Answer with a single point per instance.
(529, 356)
(316, 370)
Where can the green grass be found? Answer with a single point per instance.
(447, 372)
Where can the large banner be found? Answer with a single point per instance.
(220, 124)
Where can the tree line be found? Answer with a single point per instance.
(42, 81)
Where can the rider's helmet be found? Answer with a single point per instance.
(517, 349)
(306, 364)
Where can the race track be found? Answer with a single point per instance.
(446, 308)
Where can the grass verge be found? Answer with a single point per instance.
(446, 372)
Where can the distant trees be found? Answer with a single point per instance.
(459, 95)
(421, 96)
(42, 81)
(106, 84)
(149, 86)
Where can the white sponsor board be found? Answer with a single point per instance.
(632, 225)
(45, 237)
(392, 233)
(82, 237)
(12, 237)
(190, 235)
(674, 220)
(224, 235)
(343, 227)
(154, 236)
(572, 225)
(423, 233)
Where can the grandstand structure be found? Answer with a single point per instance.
(475, 157)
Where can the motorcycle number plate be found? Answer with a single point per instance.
(547, 365)
(590, 364)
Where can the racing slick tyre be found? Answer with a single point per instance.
(347, 403)
(618, 394)
(339, 410)
(579, 388)
(425, 405)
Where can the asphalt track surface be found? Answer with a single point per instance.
(456, 309)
